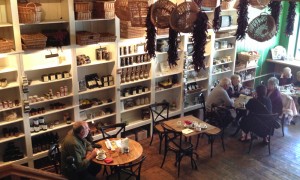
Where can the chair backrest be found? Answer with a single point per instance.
(157, 111)
(132, 169)
(221, 117)
(106, 135)
(54, 157)
(172, 136)
(201, 101)
(263, 124)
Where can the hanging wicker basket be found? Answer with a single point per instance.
(121, 10)
(259, 4)
(262, 28)
(183, 17)
(208, 3)
(160, 13)
(138, 10)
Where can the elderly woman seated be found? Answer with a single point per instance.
(286, 77)
(274, 95)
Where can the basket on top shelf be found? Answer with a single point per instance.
(83, 10)
(208, 3)
(6, 45)
(248, 56)
(138, 10)
(33, 41)
(121, 10)
(104, 9)
(30, 12)
(127, 31)
(107, 37)
(86, 38)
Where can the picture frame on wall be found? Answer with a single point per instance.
(278, 53)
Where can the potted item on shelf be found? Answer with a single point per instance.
(85, 103)
(166, 83)
(129, 103)
(57, 38)
(12, 152)
(30, 12)
(6, 45)
(86, 38)
(33, 41)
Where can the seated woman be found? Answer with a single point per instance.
(297, 82)
(274, 95)
(260, 104)
(286, 77)
(236, 87)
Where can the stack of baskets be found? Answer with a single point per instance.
(33, 41)
(127, 31)
(30, 12)
(6, 45)
(83, 10)
(104, 9)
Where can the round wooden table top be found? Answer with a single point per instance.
(119, 158)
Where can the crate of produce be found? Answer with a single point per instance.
(30, 12)
(85, 38)
(33, 41)
(83, 6)
(248, 56)
(6, 45)
(83, 15)
(107, 37)
(127, 31)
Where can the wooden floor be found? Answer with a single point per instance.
(234, 163)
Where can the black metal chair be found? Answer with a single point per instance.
(106, 135)
(282, 119)
(175, 143)
(263, 126)
(128, 171)
(157, 113)
(201, 101)
(54, 157)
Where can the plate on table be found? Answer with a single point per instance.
(101, 159)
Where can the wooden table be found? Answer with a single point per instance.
(135, 151)
(173, 124)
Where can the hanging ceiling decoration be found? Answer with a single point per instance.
(275, 8)
(242, 20)
(183, 17)
(138, 10)
(161, 12)
(262, 28)
(290, 18)
(151, 34)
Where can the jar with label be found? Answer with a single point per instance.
(142, 101)
(138, 102)
(147, 101)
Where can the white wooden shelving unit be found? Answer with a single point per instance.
(59, 14)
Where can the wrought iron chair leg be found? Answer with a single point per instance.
(165, 155)
(282, 125)
(269, 144)
(251, 141)
(211, 145)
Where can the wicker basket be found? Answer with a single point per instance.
(209, 3)
(162, 31)
(83, 15)
(259, 4)
(262, 28)
(6, 45)
(127, 31)
(227, 4)
(30, 12)
(85, 38)
(104, 14)
(33, 41)
(83, 6)
(122, 10)
(161, 12)
(107, 37)
(138, 10)
(244, 56)
(183, 17)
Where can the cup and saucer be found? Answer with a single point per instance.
(101, 155)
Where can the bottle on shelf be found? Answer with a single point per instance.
(123, 76)
(141, 73)
(127, 78)
(132, 76)
(137, 76)
(146, 72)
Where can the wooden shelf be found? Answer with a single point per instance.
(169, 74)
(56, 127)
(136, 95)
(100, 117)
(51, 112)
(11, 138)
(96, 62)
(4, 123)
(97, 106)
(137, 123)
(47, 67)
(8, 109)
(10, 85)
(192, 107)
(168, 89)
(5, 24)
(135, 108)
(135, 64)
(196, 91)
(224, 49)
(227, 37)
(45, 22)
(222, 63)
(221, 72)
(245, 69)
(196, 80)
(135, 81)
(50, 100)
(132, 54)
(294, 63)
(7, 69)
(91, 20)
(38, 82)
(247, 80)
(19, 161)
(95, 90)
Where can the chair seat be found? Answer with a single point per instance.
(159, 128)
(184, 145)
(214, 131)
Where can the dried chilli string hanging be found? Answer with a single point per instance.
(275, 8)
(199, 40)
(242, 20)
(173, 46)
(290, 18)
(217, 19)
(151, 34)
